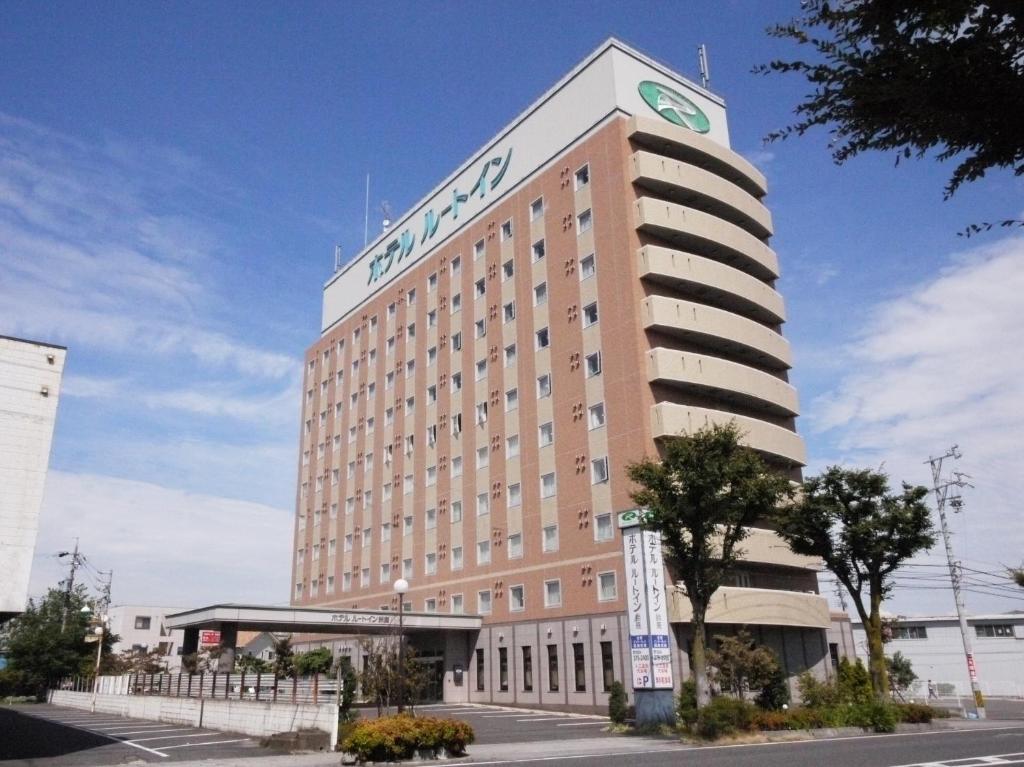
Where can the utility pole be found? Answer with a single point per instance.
(941, 489)
(76, 562)
(103, 603)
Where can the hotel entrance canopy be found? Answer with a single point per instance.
(315, 620)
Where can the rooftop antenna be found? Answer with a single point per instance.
(702, 62)
(385, 211)
(337, 258)
(366, 217)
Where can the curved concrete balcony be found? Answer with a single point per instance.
(664, 138)
(706, 235)
(762, 607)
(670, 420)
(718, 328)
(688, 184)
(766, 547)
(722, 285)
(722, 378)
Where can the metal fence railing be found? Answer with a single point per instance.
(318, 688)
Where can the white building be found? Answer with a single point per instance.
(936, 651)
(141, 627)
(30, 378)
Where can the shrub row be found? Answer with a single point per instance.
(391, 738)
(726, 716)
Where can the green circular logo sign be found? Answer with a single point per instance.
(674, 106)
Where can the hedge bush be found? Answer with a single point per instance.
(725, 716)
(391, 738)
(618, 707)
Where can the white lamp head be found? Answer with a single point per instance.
(401, 586)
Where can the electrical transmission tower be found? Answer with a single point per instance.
(942, 496)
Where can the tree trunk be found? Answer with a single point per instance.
(700, 658)
(877, 666)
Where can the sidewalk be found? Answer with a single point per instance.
(484, 753)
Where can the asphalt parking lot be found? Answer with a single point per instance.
(498, 724)
(58, 736)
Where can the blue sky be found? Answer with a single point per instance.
(174, 177)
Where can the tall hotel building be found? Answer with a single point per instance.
(596, 278)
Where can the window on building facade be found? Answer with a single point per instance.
(508, 269)
(549, 538)
(606, 587)
(599, 470)
(543, 386)
(553, 593)
(992, 630)
(547, 485)
(588, 267)
(143, 622)
(527, 653)
(579, 664)
(510, 354)
(590, 315)
(515, 494)
(538, 250)
(540, 294)
(582, 177)
(552, 667)
(457, 604)
(536, 208)
(515, 546)
(584, 221)
(456, 557)
(483, 552)
(483, 602)
(517, 598)
(479, 669)
(456, 511)
(607, 666)
(909, 632)
(603, 528)
(512, 446)
(503, 669)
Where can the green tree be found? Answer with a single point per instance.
(40, 652)
(741, 665)
(284, 658)
(901, 674)
(702, 497)
(913, 76)
(134, 662)
(251, 663)
(318, 661)
(1018, 576)
(863, 533)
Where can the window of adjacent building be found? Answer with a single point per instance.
(511, 399)
(385, 573)
(536, 208)
(481, 369)
(517, 598)
(407, 484)
(512, 446)
(599, 470)
(515, 546)
(456, 510)
(583, 176)
(509, 311)
(588, 267)
(545, 434)
(407, 522)
(483, 552)
(407, 568)
(430, 563)
(553, 593)
(410, 406)
(431, 519)
(370, 424)
(364, 578)
(456, 604)
(389, 416)
(590, 315)
(553, 667)
(540, 294)
(584, 221)
(527, 652)
(348, 542)
(506, 230)
(456, 466)
(508, 269)
(909, 632)
(606, 587)
(385, 532)
(390, 345)
(456, 382)
(350, 504)
(603, 528)
(143, 622)
(481, 413)
(316, 553)
(743, 580)
(432, 434)
(456, 265)
(367, 536)
(992, 630)
(456, 342)
(579, 664)
(503, 669)
(478, 250)
(480, 287)
(480, 328)
(479, 669)
(410, 368)
(456, 557)
(538, 250)
(346, 581)
(482, 504)
(515, 494)
(456, 303)
(431, 355)
(330, 584)
(483, 602)
(430, 605)
(549, 538)
(543, 386)
(432, 282)
(510, 354)
(411, 296)
(482, 457)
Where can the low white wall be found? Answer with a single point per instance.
(246, 717)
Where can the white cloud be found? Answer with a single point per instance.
(165, 546)
(939, 365)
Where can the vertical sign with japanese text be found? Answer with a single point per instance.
(637, 609)
(657, 597)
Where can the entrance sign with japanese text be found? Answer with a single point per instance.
(646, 605)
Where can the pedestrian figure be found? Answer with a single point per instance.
(931, 690)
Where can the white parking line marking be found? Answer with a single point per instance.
(112, 728)
(142, 732)
(579, 724)
(108, 737)
(172, 737)
(545, 719)
(209, 743)
(499, 716)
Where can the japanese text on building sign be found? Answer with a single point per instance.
(403, 244)
(385, 620)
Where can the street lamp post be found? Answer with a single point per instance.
(96, 636)
(401, 586)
